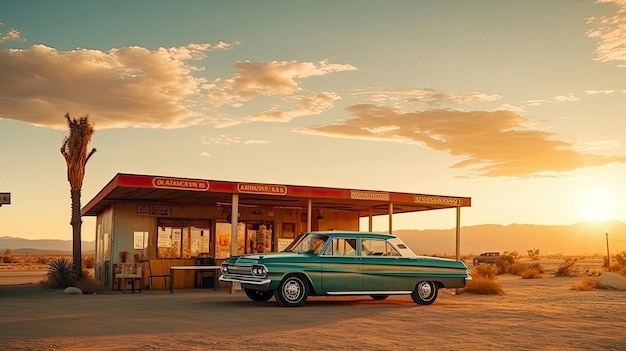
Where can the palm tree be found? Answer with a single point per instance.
(74, 149)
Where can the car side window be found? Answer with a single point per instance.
(377, 247)
(341, 247)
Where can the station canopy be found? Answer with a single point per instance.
(161, 189)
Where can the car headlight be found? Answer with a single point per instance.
(224, 269)
(259, 271)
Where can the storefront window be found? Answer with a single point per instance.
(169, 242)
(223, 234)
(183, 241)
(258, 237)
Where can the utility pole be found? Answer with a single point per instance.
(608, 257)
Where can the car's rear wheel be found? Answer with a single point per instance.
(258, 295)
(292, 291)
(379, 297)
(424, 293)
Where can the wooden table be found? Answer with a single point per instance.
(213, 269)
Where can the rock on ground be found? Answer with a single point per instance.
(610, 280)
(72, 290)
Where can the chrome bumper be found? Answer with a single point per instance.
(248, 284)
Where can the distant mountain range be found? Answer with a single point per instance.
(47, 246)
(575, 239)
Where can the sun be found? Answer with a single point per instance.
(598, 204)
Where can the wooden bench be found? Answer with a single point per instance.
(159, 269)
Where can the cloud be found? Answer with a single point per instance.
(163, 88)
(428, 97)
(11, 34)
(492, 143)
(596, 92)
(227, 139)
(124, 87)
(304, 106)
(610, 32)
(276, 78)
(557, 99)
(223, 139)
(205, 154)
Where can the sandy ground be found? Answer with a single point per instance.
(533, 314)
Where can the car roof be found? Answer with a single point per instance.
(356, 234)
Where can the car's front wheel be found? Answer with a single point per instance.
(292, 291)
(424, 293)
(258, 295)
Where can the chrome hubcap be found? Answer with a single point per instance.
(424, 290)
(292, 290)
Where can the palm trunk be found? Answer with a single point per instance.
(76, 233)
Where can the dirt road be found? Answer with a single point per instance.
(539, 314)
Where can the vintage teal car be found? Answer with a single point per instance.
(343, 263)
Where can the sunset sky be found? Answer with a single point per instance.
(520, 105)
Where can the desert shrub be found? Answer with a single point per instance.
(589, 283)
(620, 265)
(8, 257)
(89, 261)
(530, 272)
(621, 258)
(60, 274)
(485, 271)
(42, 260)
(533, 254)
(89, 285)
(483, 285)
(566, 268)
(556, 256)
(484, 280)
(506, 261)
(517, 267)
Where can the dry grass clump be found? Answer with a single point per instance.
(8, 257)
(485, 270)
(567, 269)
(89, 261)
(506, 261)
(620, 266)
(483, 286)
(526, 271)
(484, 281)
(89, 285)
(530, 272)
(588, 283)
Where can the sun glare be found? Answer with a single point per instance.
(598, 204)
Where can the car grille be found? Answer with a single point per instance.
(240, 271)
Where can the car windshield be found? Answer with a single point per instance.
(307, 243)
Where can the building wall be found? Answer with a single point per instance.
(104, 229)
(126, 223)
